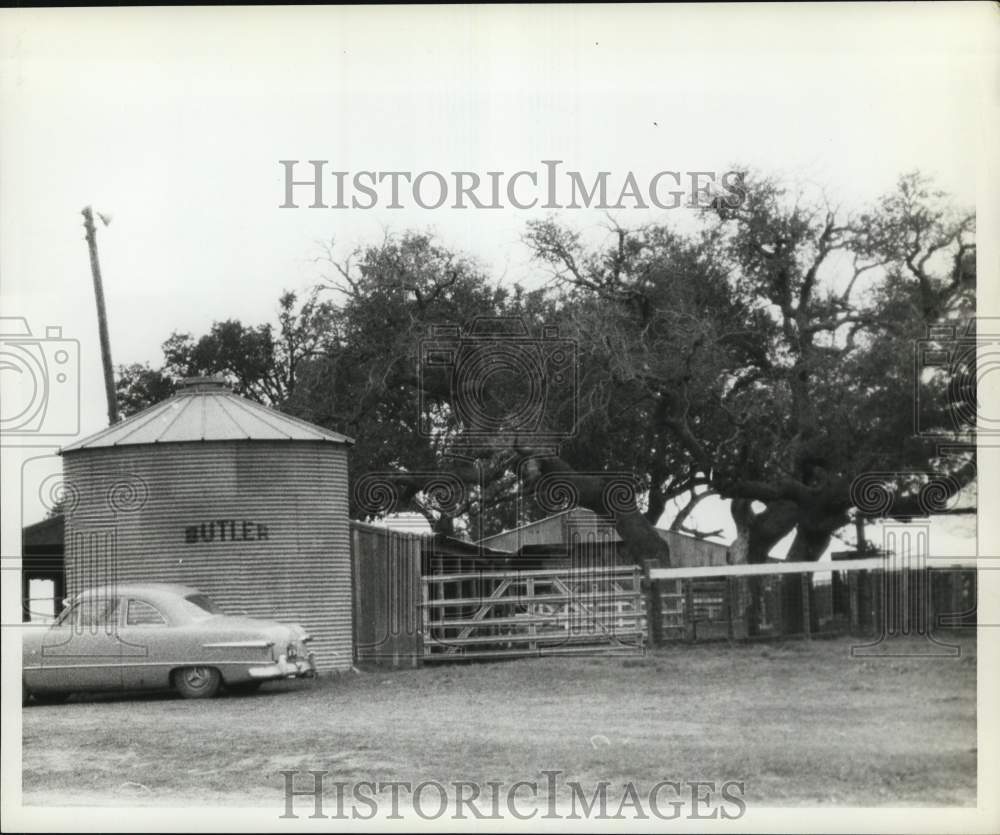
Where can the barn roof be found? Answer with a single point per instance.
(45, 534)
(553, 530)
(206, 409)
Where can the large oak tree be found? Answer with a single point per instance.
(770, 357)
(767, 358)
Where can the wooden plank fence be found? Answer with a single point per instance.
(386, 581)
(781, 599)
(404, 618)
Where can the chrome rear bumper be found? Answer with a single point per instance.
(285, 668)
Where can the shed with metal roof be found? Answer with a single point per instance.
(567, 535)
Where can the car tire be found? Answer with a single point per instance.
(197, 682)
(244, 687)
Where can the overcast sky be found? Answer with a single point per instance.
(173, 121)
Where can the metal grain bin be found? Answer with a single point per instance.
(215, 491)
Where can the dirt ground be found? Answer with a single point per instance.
(802, 723)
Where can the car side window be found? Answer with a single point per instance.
(141, 613)
(93, 611)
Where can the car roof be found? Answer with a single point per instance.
(151, 590)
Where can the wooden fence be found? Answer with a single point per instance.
(386, 581)
(408, 611)
(861, 597)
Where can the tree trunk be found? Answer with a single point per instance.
(443, 525)
(758, 533)
(816, 527)
(657, 504)
(809, 545)
(739, 548)
(640, 541)
(547, 475)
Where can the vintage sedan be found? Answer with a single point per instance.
(153, 636)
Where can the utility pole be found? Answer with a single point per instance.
(102, 314)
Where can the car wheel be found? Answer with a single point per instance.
(245, 687)
(49, 698)
(197, 682)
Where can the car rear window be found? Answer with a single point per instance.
(141, 613)
(204, 603)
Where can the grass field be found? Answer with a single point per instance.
(802, 723)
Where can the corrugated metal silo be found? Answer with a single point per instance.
(215, 491)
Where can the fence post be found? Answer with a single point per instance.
(730, 582)
(529, 593)
(879, 608)
(425, 616)
(688, 587)
(753, 590)
(852, 597)
(416, 620)
(355, 594)
(654, 605)
(806, 608)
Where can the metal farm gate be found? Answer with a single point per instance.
(494, 614)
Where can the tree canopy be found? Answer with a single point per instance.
(771, 358)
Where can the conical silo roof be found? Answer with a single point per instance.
(206, 409)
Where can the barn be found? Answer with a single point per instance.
(577, 535)
(215, 491)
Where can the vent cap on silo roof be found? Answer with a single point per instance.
(192, 385)
(206, 409)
